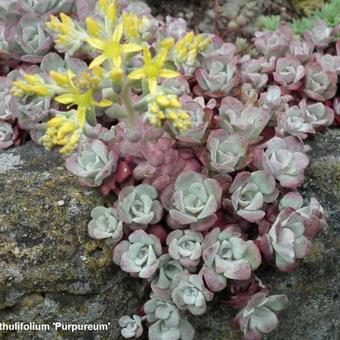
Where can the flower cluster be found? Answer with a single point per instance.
(202, 148)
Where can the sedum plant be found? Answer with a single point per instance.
(227, 256)
(192, 201)
(189, 293)
(105, 224)
(185, 247)
(138, 206)
(198, 144)
(166, 321)
(259, 315)
(139, 255)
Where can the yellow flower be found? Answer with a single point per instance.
(62, 131)
(112, 48)
(153, 68)
(108, 9)
(187, 48)
(79, 91)
(32, 84)
(132, 25)
(69, 34)
(167, 107)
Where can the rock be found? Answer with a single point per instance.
(51, 271)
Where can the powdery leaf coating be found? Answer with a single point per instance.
(227, 152)
(162, 283)
(5, 99)
(166, 321)
(287, 239)
(289, 73)
(273, 43)
(186, 247)
(105, 224)
(321, 34)
(8, 134)
(227, 256)
(302, 49)
(259, 315)
(285, 160)
(247, 121)
(250, 191)
(131, 326)
(320, 84)
(189, 293)
(192, 201)
(93, 163)
(138, 206)
(252, 73)
(219, 76)
(274, 100)
(139, 255)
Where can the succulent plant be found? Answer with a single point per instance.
(273, 100)
(8, 134)
(259, 315)
(227, 152)
(219, 76)
(247, 121)
(139, 255)
(329, 62)
(252, 73)
(175, 27)
(285, 160)
(185, 246)
(190, 293)
(320, 85)
(5, 99)
(317, 114)
(192, 201)
(285, 240)
(28, 38)
(168, 268)
(177, 86)
(321, 34)
(92, 163)
(250, 191)
(289, 73)
(199, 119)
(166, 321)
(44, 7)
(227, 256)
(105, 224)
(138, 206)
(293, 122)
(161, 163)
(314, 217)
(273, 44)
(131, 326)
(302, 49)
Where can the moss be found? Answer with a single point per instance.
(316, 254)
(324, 177)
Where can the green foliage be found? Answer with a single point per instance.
(315, 9)
(269, 23)
(329, 13)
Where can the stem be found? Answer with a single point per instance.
(125, 95)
